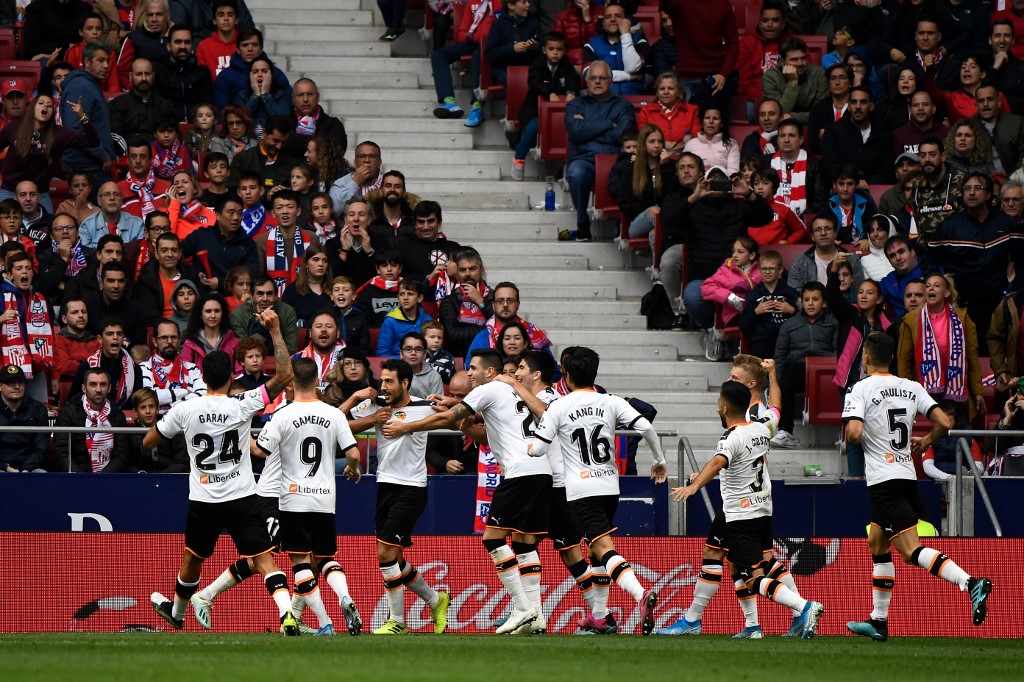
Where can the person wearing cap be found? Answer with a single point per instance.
(922, 125)
(894, 200)
(14, 93)
(22, 451)
(82, 88)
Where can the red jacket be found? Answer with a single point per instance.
(706, 37)
(685, 118)
(480, 35)
(577, 32)
(786, 227)
(756, 56)
(215, 54)
(131, 203)
(69, 352)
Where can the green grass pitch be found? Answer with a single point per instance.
(452, 658)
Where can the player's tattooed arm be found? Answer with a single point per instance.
(774, 391)
(535, 405)
(441, 420)
(283, 376)
(706, 475)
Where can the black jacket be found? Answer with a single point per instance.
(843, 144)
(183, 83)
(148, 292)
(50, 24)
(69, 449)
(354, 328)
(24, 451)
(1009, 80)
(358, 266)
(506, 31)
(255, 160)
(631, 205)
(130, 314)
(543, 82)
(458, 335)
(223, 253)
(83, 285)
(766, 327)
(169, 457)
(130, 115)
(325, 125)
(198, 14)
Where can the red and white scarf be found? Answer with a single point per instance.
(167, 372)
(141, 260)
(99, 445)
(324, 363)
(479, 14)
(144, 190)
(278, 267)
(324, 232)
(380, 283)
(538, 339)
(373, 186)
(126, 384)
(76, 259)
(792, 181)
(469, 312)
(167, 162)
(443, 286)
(766, 141)
(953, 382)
(29, 336)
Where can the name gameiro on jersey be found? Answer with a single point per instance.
(745, 483)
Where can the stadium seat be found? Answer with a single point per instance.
(822, 402)
(59, 191)
(740, 131)
(552, 140)
(302, 337)
(515, 95)
(374, 334)
(8, 45)
(789, 252)
(638, 101)
(877, 191)
(460, 364)
(375, 363)
(605, 206)
(650, 19)
(28, 70)
(817, 47)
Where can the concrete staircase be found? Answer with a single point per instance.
(580, 294)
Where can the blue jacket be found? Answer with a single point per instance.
(80, 85)
(506, 31)
(92, 228)
(600, 48)
(235, 79)
(395, 326)
(599, 129)
(893, 285)
(862, 205)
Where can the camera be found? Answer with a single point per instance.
(721, 185)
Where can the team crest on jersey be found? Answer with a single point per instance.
(401, 416)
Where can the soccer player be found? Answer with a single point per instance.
(306, 435)
(221, 484)
(879, 413)
(753, 373)
(521, 501)
(747, 497)
(533, 384)
(583, 423)
(401, 491)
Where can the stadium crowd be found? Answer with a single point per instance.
(199, 187)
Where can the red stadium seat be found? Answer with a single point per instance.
(603, 200)
(460, 364)
(515, 93)
(375, 363)
(650, 19)
(59, 191)
(8, 45)
(374, 334)
(28, 70)
(789, 252)
(877, 191)
(817, 46)
(302, 337)
(739, 132)
(552, 140)
(638, 101)
(822, 402)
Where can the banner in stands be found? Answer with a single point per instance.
(114, 574)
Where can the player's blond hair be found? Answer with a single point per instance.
(751, 364)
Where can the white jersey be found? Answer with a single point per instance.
(548, 396)
(746, 486)
(887, 405)
(269, 484)
(307, 437)
(583, 423)
(508, 423)
(216, 430)
(401, 460)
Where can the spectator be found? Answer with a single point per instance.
(466, 310)
(379, 296)
(264, 297)
(91, 29)
(186, 213)
(52, 25)
(707, 43)
(903, 84)
(73, 343)
(249, 354)
(425, 250)
(238, 283)
(148, 40)
(393, 209)
(201, 15)
(184, 297)
(714, 144)
(551, 78)
(663, 57)
(101, 452)
(111, 219)
(14, 92)
(313, 121)
(309, 293)
(169, 457)
(353, 327)
(350, 252)
(441, 360)
(10, 228)
(454, 454)
(142, 189)
(938, 192)
(365, 177)
(1003, 339)
(26, 324)
(1011, 201)
(158, 277)
(125, 375)
(514, 40)
(812, 265)
(976, 247)
(170, 154)
(759, 51)
(645, 183)
(1014, 14)
(923, 125)
(236, 77)
(281, 248)
(264, 97)
(78, 205)
(324, 154)
(676, 225)
(863, 76)
(846, 37)
(111, 301)
(851, 208)
(763, 140)
(593, 123)
(914, 298)
(179, 77)
(577, 25)
(215, 167)
(624, 53)
(810, 332)
(903, 259)
(928, 57)
(239, 133)
(827, 113)
(350, 375)
(1005, 70)
(860, 139)
(875, 263)
(407, 316)
(800, 180)
(728, 288)
(324, 347)
(109, 248)
(81, 89)
(425, 381)
(939, 347)
(785, 227)
(960, 101)
(970, 148)
(797, 85)
(35, 220)
(208, 330)
(135, 113)
(256, 220)
(222, 246)
(477, 18)
(1005, 131)
(268, 158)
(678, 120)
(22, 451)
(214, 52)
(855, 322)
(139, 253)
(767, 306)
(506, 312)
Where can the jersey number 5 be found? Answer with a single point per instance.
(598, 449)
(899, 429)
(229, 450)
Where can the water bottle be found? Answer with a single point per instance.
(549, 195)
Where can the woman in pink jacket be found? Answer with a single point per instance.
(713, 143)
(729, 287)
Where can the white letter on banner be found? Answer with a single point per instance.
(78, 522)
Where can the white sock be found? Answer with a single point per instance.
(395, 589)
(622, 573)
(305, 581)
(940, 565)
(180, 604)
(508, 571)
(281, 596)
(599, 607)
(530, 575)
(883, 579)
(779, 593)
(225, 581)
(747, 600)
(335, 577)
(778, 571)
(415, 582)
(704, 589)
(585, 583)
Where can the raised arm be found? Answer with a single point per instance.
(774, 392)
(283, 375)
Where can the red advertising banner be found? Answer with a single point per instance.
(101, 582)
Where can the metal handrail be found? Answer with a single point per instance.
(965, 458)
(684, 453)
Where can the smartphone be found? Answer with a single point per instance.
(721, 185)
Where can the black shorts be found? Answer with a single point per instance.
(239, 517)
(521, 505)
(746, 541)
(595, 515)
(563, 529)
(896, 506)
(305, 532)
(398, 509)
(716, 534)
(268, 511)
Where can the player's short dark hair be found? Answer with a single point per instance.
(489, 357)
(427, 208)
(880, 347)
(567, 353)
(217, 369)
(736, 396)
(401, 368)
(581, 367)
(539, 361)
(306, 374)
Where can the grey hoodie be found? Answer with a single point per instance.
(180, 317)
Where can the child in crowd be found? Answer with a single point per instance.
(786, 227)
(249, 354)
(238, 284)
(204, 118)
(10, 228)
(304, 179)
(551, 77)
(852, 208)
(425, 381)
(379, 296)
(768, 305)
(321, 217)
(845, 37)
(440, 359)
(183, 300)
(729, 287)
(810, 332)
(352, 323)
(256, 219)
(215, 168)
(409, 316)
(751, 165)
(169, 153)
